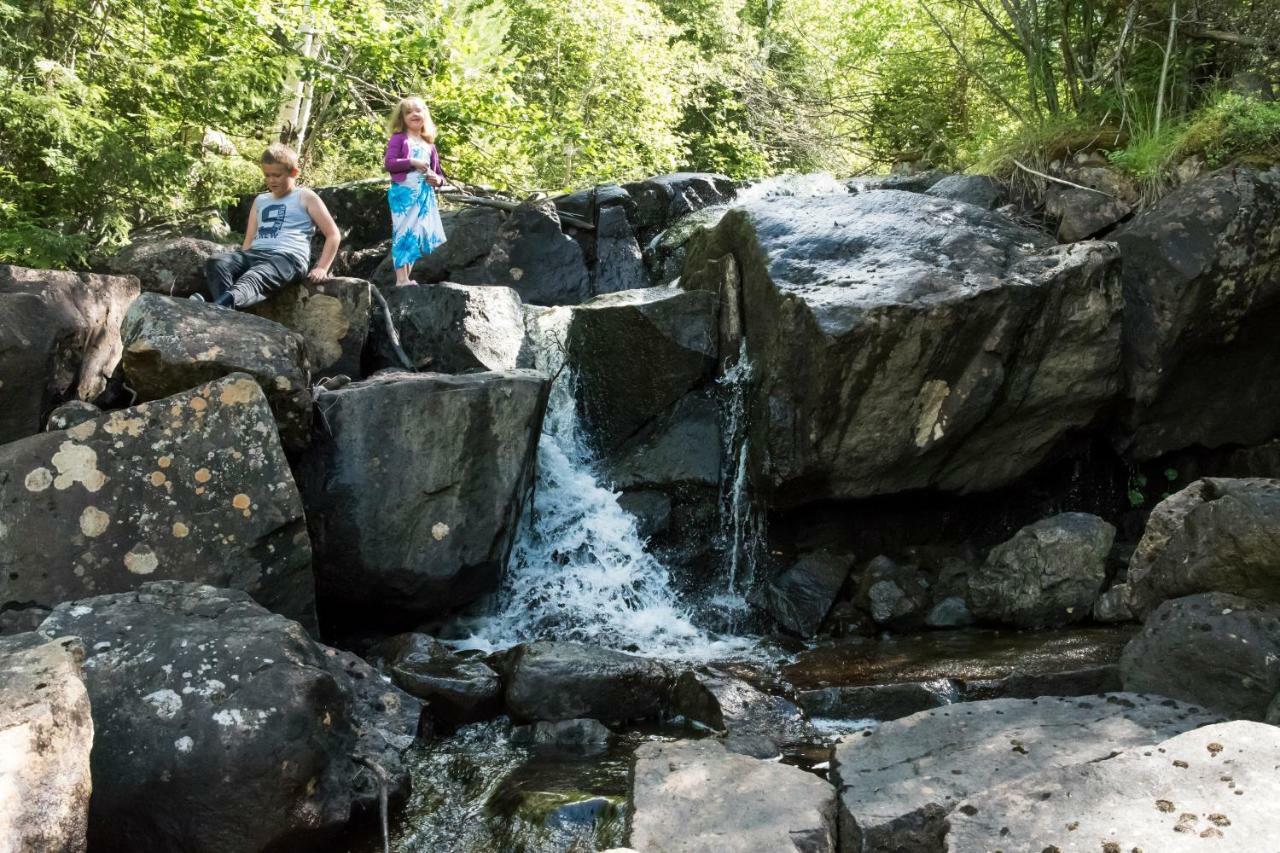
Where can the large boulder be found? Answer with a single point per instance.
(662, 199)
(550, 680)
(533, 256)
(46, 734)
(1215, 786)
(900, 780)
(1202, 301)
(1049, 574)
(1219, 650)
(194, 487)
(1216, 535)
(175, 344)
(59, 336)
(1099, 199)
(452, 328)
(333, 318)
(903, 342)
(694, 797)
(415, 486)
(471, 233)
(173, 266)
(619, 263)
(222, 727)
(800, 597)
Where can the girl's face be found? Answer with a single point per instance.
(415, 115)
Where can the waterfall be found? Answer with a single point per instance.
(579, 569)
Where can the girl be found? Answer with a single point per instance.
(414, 165)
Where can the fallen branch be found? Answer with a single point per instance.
(1060, 180)
(509, 206)
(1231, 38)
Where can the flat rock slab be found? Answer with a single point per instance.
(694, 797)
(46, 735)
(1214, 788)
(898, 781)
(175, 344)
(194, 487)
(554, 681)
(333, 318)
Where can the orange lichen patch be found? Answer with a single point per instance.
(164, 461)
(239, 391)
(199, 403)
(240, 501)
(203, 475)
(200, 490)
(210, 354)
(157, 478)
(180, 530)
(120, 422)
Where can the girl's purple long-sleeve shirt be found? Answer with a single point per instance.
(397, 158)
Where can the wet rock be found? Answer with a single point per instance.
(915, 182)
(47, 735)
(71, 413)
(1202, 300)
(694, 795)
(619, 263)
(59, 337)
(895, 595)
(662, 199)
(635, 354)
(415, 486)
(553, 681)
(879, 701)
(589, 736)
(250, 730)
(173, 266)
(1113, 605)
(1214, 786)
(172, 345)
(531, 255)
(754, 722)
(899, 781)
(194, 487)
(1216, 535)
(979, 190)
(800, 598)
(950, 612)
(652, 511)
(333, 318)
(454, 689)
(452, 328)
(1048, 574)
(903, 342)
(1086, 681)
(679, 446)
(1220, 650)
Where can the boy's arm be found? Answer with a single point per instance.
(251, 228)
(320, 216)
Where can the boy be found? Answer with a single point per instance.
(277, 240)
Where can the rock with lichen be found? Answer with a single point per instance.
(331, 315)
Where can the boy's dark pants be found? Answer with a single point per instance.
(251, 276)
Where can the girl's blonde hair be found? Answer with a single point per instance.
(397, 118)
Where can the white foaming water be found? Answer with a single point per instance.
(803, 186)
(579, 569)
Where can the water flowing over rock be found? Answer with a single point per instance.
(222, 727)
(1215, 786)
(175, 344)
(333, 318)
(1048, 574)
(1220, 650)
(899, 781)
(173, 266)
(415, 484)
(453, 328)
(59, 335)
(46, 734)
(906, 342)
(193, 487)
(1202, 302)
(1216, 535)
(562, 681)
(693, 796)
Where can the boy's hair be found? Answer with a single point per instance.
(279, 154)
(397, 118)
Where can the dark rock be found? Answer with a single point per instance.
(471, 233)
(1113, 605)
(333, 318)
(585, 203)
(531, 255)
(195, 487)
(173, 266)
(1202, 302)
(1083, 213)
(562, 681)
(895, 595)
(665, 198)
(665, 253)
(879, 701)
(903, 342)
(454, 689)
(1049, 574)
(1088, 681)
(949, 612)
(588, 736)
(619, 263)
(1216, 535)
(47, 734)
(59, 336)
(652, 511)
(1219, 650)
(71, 413)
(680, 445)
(17, 617)
(175, 344)
(452, 328)
(416, 484)
(979, 190)
(223, 727)
(755, 723)
(916, 182)
(801, 596)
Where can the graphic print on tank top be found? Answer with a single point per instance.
(272, 221)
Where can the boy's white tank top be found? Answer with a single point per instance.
(284, 226)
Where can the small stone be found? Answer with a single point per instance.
(1164, 805)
